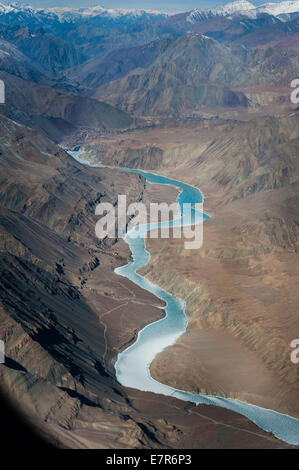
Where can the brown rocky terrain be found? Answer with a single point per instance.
(65, 315)
(193, 74)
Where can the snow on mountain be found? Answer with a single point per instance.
(225, 10)
(100, 11)
(237, 7)
(9, 50)
(280, 8)
(68, 13)
(244, 8)
(5, 8)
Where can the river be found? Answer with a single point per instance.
(133, 364)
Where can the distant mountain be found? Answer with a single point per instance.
(277, 9)
(127, 14)
(237, 15)
(116, 64)
(57, 114)
(93, 31)
(195, 59)
(232, 8)
(108, 55)
(52, 54)
(241, 22)
(243, 8)
(258, 31)
(61, 38)
(191, 72)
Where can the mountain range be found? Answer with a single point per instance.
(211, 59)
(237, 7)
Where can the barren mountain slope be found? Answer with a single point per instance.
(241, 286)
(191, 74)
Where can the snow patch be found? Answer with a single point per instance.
(244, 8)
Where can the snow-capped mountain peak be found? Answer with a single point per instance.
(5, 8)
(225, 10)
(279, 8)
(15, 8)
(231, 9)
(69, 13)
(244, 8)
(98, 10)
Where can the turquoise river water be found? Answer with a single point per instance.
(133, 364)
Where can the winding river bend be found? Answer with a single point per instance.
(133, 364)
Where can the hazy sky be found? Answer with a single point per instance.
(167, 5)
